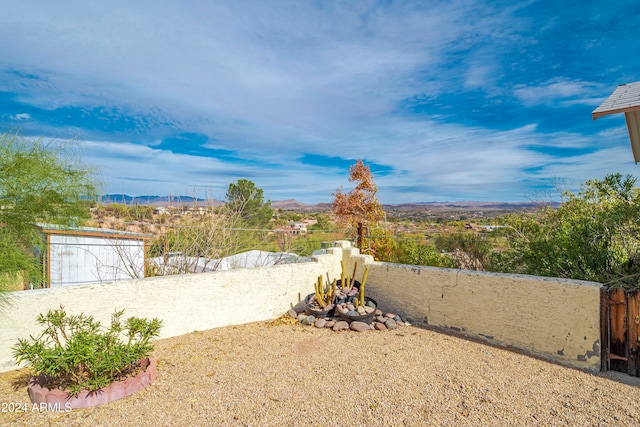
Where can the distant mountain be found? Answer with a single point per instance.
(510, 206)
(157, 200)
(287, 204)
(294, 205)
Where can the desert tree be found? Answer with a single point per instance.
(245, 198)
(40, 182)
(361, 206)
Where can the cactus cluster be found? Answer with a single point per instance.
(346, 283)
(326, 296)
(325, 299)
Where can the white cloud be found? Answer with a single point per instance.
(273, 80)
(558, 89)
(21, 116)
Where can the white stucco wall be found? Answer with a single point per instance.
(184, 302)
(555, 319)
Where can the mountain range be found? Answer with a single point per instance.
(292, 204)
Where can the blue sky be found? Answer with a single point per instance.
(444, 100)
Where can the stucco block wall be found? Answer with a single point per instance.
(551, 318)
(184, 302)
(556, 319)
(352, 260)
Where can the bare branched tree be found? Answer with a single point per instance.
(199, 241)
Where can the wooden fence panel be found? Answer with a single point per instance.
(617, 353)
(633, 328)
(622, 333)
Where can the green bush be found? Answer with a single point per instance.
(74, 352)
(593, 235)
(476, 247)
(412, 253)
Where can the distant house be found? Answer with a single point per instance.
(80, 255)
(301, 227)
(287, 229)
(295, 228)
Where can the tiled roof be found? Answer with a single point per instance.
(624, 99)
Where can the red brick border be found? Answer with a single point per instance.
(116, 390)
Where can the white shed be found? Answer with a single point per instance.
(79, 255)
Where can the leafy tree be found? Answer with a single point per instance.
(247, 200)
(593, 235)
(39, 182)
(322, 224)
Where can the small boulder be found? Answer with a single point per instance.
(359, 326)
(300, 307)
(390, 324)
(308, 320)
(340, 326)
(320, 323)
(379, 326)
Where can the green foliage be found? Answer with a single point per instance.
(141, 212)
(476, 248)
(594, 235)
(246, 199)
(119, 210)
(323, 223)
(135, 212)
(412, 253)
(379, 242)
(75, 353)
(39, 183)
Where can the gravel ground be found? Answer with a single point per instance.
(279, 374)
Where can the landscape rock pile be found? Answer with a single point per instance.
(381, 321)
